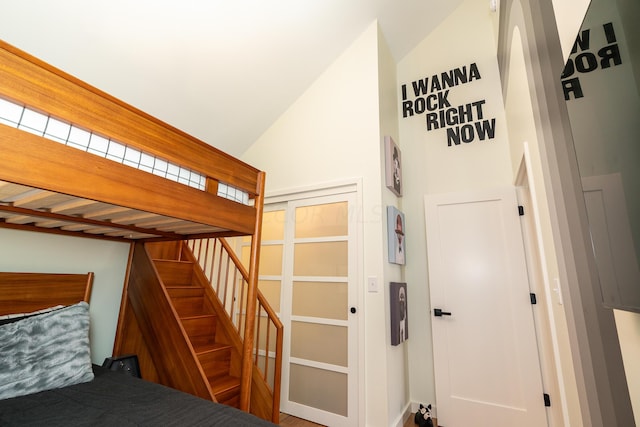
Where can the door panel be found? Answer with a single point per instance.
(485, 352)
(319, 388)
(321, 299)
(319, 343)
(324, 220)
(310, 254)
(321, 259)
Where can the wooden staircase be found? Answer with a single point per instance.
(173, 319)
(199, 320)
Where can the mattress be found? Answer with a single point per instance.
(116, 399)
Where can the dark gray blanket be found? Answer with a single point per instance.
(116, 399)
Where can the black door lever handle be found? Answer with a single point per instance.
(438, 312)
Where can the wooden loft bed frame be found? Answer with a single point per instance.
(33, 162)
(50, 187)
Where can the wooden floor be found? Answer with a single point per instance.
(291, 421)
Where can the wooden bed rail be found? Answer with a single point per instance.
(110, 182)
(35, 84)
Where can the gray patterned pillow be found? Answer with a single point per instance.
(46, 351)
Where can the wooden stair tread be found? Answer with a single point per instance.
(183, 287)
(199, 316)
(208, 348)
(184, 292)
(171, 261)
(224, 384)
(189, 299)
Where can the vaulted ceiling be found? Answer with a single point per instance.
(222, 71)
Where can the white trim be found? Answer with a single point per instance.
(403, 416)
(331, 188)
(527, 167)
(319, 365)
(319, 320)
(328, 279)
(327, 416)
(270, 278)
(321, 239)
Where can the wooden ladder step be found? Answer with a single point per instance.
(212, 348)
(184, 291)
(201, 330)
(226, 390)
(175, 273)
(215, 360)
(189, 301)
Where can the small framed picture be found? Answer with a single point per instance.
(393, 166)
(398, 312)
(395, 236)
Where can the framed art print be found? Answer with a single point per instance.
(393, 166)
(398, 312)
(395, 236)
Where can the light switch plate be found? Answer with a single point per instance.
(372, 284)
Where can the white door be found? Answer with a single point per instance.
(486, 363)
(308, 272)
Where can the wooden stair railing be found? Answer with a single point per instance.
(228, 277)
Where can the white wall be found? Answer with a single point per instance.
(430, 166)
(397, 356)
(629, 333)
(23, 251)
(332, 133)
(569, 15)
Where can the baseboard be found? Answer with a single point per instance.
(403, 417)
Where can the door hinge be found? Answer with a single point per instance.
(533, 298)
(520, 210)
(547, 400)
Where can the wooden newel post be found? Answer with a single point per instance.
(252, 296)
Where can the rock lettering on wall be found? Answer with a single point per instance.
(430, 97)
(587, 61)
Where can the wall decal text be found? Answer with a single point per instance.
(464, 123)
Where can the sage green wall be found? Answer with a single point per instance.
(23, 251)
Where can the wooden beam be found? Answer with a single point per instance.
(58, 231)
(80, 220)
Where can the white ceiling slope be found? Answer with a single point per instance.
(222, 71)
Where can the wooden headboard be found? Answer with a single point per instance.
(27, 292)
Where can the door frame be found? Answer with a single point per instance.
(539, 282)
(337, 188)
